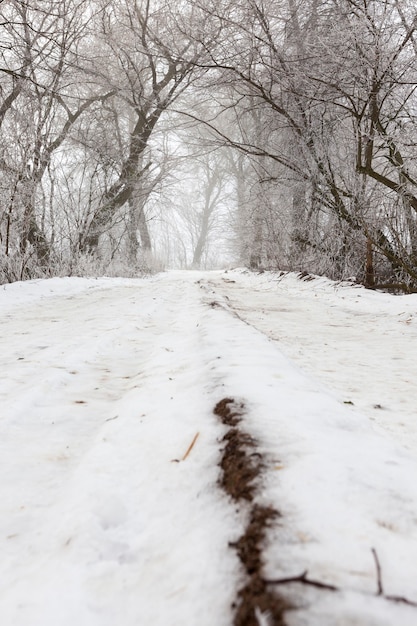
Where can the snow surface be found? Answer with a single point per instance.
(107, 381)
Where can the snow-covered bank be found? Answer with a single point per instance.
(105, 385)
(358, 343)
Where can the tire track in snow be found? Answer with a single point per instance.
(340, 337)
(115, 532)
(363, 608)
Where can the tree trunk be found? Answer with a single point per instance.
(145, 237)
(132, 236)
(202, 239)
(30, 231)
(369, 265)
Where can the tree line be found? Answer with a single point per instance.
(293, 121)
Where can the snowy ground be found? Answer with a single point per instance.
(107, 382)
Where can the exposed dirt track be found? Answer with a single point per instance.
(242, 466)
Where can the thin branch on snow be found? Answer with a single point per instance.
(190, 447)
(302, 578)
(380, 591)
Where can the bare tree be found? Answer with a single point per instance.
(152, 62)
(45, 100)
(337, 107)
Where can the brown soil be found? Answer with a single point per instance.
(229, 411)
(239, 468)
(242, 466)
(256, 594)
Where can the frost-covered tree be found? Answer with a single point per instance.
(333, 84)
(83, 86)
(149, 58)
(42, 100)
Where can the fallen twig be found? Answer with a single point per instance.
(380, 591)
(400, 600)
(190, 447)
(302, 578)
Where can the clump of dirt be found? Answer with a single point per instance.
(255, 594)
(239, 464)
(248, 546)
(240, 469)
(229, 411)
(305, 276)
(242, 466)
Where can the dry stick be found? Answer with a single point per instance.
(302, 578)
(380, 592)
(378, 573)
(190, 447)
(400, 600)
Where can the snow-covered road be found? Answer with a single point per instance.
(101, 391)
(357, 342)
(105, 384)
